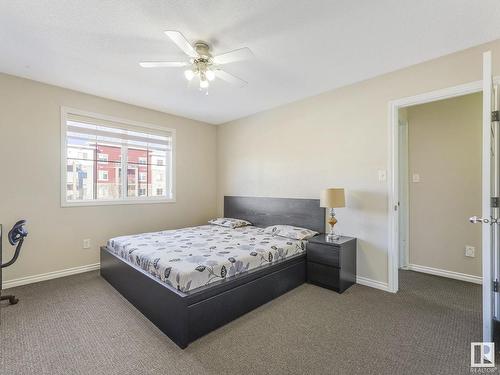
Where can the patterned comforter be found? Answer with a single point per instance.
(189, 258)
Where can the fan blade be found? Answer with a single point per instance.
(225, 76)
(233, 56)
(162, 64)
(181, 42)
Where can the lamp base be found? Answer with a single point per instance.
(332, 237)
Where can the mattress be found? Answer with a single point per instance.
(190, 258)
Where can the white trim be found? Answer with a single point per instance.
(446, 93)
(489, 173)
(393, 163)
(136, 200)
(445, 273)
(404, 204)
(50, 275)
(393, 198)
(372, 283)
(131, 200)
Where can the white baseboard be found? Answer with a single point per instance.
(372, 283)
(49, 275)
(359, 279)
(445, 273)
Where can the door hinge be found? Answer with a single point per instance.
(495, 116)
(495, 285)
(495, 202)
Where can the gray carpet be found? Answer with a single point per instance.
(81, 325)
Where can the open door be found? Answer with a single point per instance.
(490, 199)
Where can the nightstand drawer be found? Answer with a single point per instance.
(323, 254)
(323, 275)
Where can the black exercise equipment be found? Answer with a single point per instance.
(16, 238)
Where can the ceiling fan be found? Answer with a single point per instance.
(201, 64)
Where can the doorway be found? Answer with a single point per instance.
(397, 129)
(440, 149)
(490, 198)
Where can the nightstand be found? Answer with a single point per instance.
(331, 265)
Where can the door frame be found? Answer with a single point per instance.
(404, 201)
(393, 174)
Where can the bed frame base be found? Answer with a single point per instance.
(186, 317)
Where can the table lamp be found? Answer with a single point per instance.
(332, 199)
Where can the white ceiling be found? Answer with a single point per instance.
(301, 47)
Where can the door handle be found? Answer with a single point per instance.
(476, 219)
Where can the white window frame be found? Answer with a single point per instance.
(129, 200)
(101, 173)
(102, 160)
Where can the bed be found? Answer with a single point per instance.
(193, 280)
(195, 257)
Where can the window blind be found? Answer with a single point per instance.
(89, 129)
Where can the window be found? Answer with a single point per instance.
(102, 157)
(97, 148)
(103, 175)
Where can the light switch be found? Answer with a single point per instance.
(416, 177)
(382, 175)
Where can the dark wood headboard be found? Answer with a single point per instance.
(263, 212)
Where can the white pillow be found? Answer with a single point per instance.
(229, 222)
(289, 231)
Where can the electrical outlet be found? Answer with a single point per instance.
(416, 177)
(86, 243)
(470, 251)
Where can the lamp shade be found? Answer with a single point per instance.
(332, 198)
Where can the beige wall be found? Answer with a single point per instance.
(339, 138)
(30, 181)
(445, 150)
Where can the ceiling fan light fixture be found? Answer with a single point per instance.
(204, 84)
(201, 63)
(210, 75)
(189, 74)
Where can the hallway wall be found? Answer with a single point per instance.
(445, 150)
